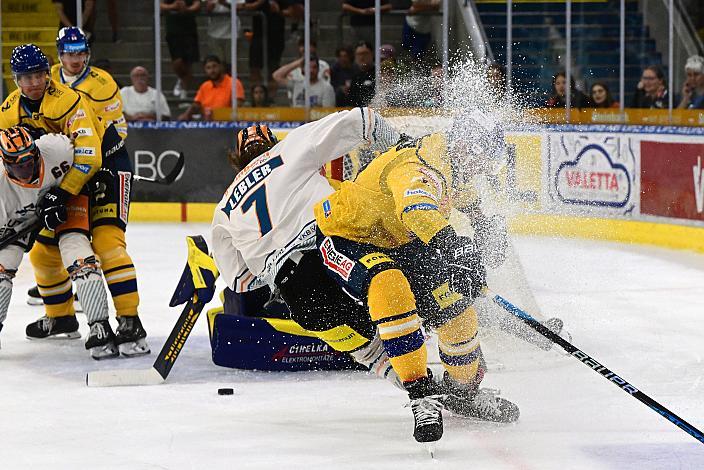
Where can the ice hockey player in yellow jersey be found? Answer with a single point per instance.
(110, 198)
(386, 238)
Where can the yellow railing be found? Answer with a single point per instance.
(632, 116)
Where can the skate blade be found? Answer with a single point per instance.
(58, 336)
(135, 348)
(430, 448)
(35, 301)
(107, 351)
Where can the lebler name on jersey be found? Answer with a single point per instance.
(251, 179)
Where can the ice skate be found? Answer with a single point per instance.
(65, 327)
(33, 296)
(427, 410)
(130, 337)
(469, 401)
(101, 341)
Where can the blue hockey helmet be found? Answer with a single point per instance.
(28, 58)
(72, 40)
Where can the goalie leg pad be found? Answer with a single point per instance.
(110, 246)
(52, 279)
(270, 344)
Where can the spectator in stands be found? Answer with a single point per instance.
(259, 97)
(341, 74)
(693, 87)
(139, 100)
(275, 29)
(417, 27)
(182, 38)
(66, 10)
(321, 92)
(219, 31)
(651, 91)
(601, 96)
(559, 92)
(361, 13)
(292, 9)
(363, 86)
(215, 92)
(324, 67)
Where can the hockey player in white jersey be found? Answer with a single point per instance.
(263, 230)
(31, 168)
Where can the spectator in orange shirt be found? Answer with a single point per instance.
(216, 92)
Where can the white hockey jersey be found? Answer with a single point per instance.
(267, 212)
(18, 201)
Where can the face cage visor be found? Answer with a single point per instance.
(24, 169)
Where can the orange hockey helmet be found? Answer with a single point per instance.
(20, 154)
(255, 140)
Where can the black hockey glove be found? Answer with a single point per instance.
(51, 208)
(466, 273)
(101, 185)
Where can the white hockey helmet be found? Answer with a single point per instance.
(476, 144)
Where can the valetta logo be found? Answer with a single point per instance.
(699, 185)
(593, 179)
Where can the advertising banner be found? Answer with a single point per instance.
(596, 174)
(672, 180)
(206, 173)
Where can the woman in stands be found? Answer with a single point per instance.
(652, 89)
(601, 96)
(559, 88)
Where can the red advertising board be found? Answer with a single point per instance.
(672, 180)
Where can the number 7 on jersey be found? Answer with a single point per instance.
(258, 199)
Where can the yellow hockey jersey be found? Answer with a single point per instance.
(62, 111)
(101, 92)
(405, 192)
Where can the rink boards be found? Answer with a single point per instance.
(641, 184)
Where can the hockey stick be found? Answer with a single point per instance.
(156, 374)
(31, 225)
(590, 362)
(168, 179)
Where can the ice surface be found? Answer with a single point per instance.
(638, 310)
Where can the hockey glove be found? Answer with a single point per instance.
(198, 278)
(491, 237)
(466, 273)
(101, 185)
(51, 208)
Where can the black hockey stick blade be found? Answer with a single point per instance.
(169, 178)
(30, 226)
(158, 373)
(600, 369)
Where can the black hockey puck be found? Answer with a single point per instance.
(225, 391)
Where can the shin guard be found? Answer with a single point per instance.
(392, 308)
(110, 246)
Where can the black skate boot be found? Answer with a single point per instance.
(33, 296)
(65, 327)
(427, 409)
(470, 401)
(130, 337)
(101, 341)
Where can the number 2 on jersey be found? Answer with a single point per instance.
(258, 198)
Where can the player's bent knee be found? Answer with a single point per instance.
(107, 239)
(389, 295)
(74, 246)
(46, 259)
